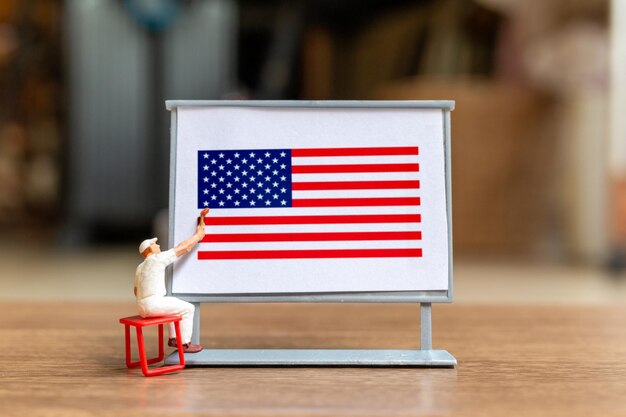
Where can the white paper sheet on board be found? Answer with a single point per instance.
(401, 246)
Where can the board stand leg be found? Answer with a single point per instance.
(426, 335)
(195, 336)
(423, 357)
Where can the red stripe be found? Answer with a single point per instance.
(310, 237)
(401, 150)
(356, 202)
(348, 168)
(354, 185)
(329, 219)
(310, 254)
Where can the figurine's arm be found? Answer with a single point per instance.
(186, 245)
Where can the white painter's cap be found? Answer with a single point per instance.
(146, 244)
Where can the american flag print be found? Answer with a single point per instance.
(311, 203)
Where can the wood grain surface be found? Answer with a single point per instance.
(67, 359)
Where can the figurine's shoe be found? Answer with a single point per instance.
(191, 348)
(187, 347)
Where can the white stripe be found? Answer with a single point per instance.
(366, 244)
(312, 228)
(311, 211)
(341, 160)
(358, 176)
(355, 193)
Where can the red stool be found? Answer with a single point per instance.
(138, 322)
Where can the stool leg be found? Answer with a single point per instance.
(179, 342)
(161, 349)
(129, 363)
(181, 357)
(142, 352)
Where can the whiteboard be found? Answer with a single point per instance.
(399, 243)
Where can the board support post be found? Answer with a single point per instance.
(195, 336)
(426, 337)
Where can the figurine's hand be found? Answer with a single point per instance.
(202, 215)
(200, 232)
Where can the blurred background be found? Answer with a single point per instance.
(538, 133)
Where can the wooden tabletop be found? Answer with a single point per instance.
(68, 360)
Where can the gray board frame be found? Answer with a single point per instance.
(424, 356)
(443, 296)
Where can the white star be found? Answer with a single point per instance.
(259, 160)
(267, 190)
(206, 191)
(229, 197)
(283, 203)
(236, 167)
(244, 161)
(229, 185)
(283, 178)
(206, 179)
(260, 184)
(252, 166)
(267, 178)
(221, 179)
(252, 190)
(237, 203)
(236, 190)
(213, 161)
(213, 173)
(282, 190)
(251, 154)
(260, 197)
(213, 197)
(283, 166)
(244, 197)
(236, 154)
(244, 185)
(221, 167)
(221, 204)
(275, 160)
(228, 173)
(206, 204)
(236, 179)
(252, 178)
(221, 155)
(244, 173)
(213, 185)
(252, 203)
(206, 167)
(259, 172)
(206, 155)
(282, 154)
(221, 191)
(275, 184)
(267, 166)
(275, 196)
(275, 172)
(228, 161)
(267, 154)
(267, 203)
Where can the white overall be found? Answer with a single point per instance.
(151, 299)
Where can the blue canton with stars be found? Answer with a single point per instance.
(257, 178)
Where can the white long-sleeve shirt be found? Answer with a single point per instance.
(150, 274)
